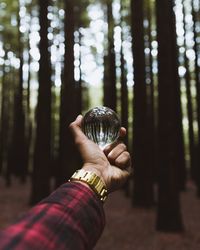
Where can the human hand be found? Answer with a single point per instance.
(113, 164)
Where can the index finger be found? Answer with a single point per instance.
(122, 134)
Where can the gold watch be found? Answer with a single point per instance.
(93, 180)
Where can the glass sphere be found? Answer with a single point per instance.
(101, 125)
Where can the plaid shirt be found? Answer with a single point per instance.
(70, 218)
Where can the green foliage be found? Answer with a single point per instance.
(8, 30)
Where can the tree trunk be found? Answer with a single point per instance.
(110, 95)
(197, 79)
(189, 103)
(143, 175)
(68, 108)
(124, 88)
(17, 152)
(152, 134)
(169, 122)
(124, 94)
(42, 153)
(79, 95)
(4, 118)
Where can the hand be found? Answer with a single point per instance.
(112, 164)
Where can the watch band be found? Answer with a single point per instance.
(93, 180)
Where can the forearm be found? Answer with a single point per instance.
(70, 218)
(84, 213)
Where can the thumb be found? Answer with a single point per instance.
(75, 128)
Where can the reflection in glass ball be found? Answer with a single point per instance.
(101, 125)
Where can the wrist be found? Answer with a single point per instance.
(83, 183)
(92, 180)
(98, 170)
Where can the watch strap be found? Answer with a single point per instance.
(93, 180)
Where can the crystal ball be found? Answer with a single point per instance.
(101, 125)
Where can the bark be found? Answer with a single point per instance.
(68, 113)
(197, 79)
(143, 185)
(42, 152)
(79, 95)
(124, 87)
(170, 142)
(151, 133)
(189, 105)
(110, 96)
(4, 118)
(17, 152)
(124, 94)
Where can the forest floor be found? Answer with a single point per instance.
(127, 228)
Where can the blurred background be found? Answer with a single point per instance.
(141, 58)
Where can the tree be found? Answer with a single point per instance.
(170, 142)
(9, 41)
(4, 117)
(189, 103)
(197, 80)
(143, 179)
(123, 80)
(42, 153)
(71, 91)
(124, 89)
(110, 98)
(67, 109)
(17, 153)
(151, 114)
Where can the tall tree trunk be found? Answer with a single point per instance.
(143, 179)
(169, 123)
(123, 80)
(4, 119)
(151, 133)
(197, 79)
(79, 95)
(8, 137)
(124, 92)
(189, 102)
(110, 95)
(124, 97)
(29, 126)
(68, 108)
(41, 178)
(18, 147)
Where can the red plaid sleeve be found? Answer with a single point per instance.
(70, 218)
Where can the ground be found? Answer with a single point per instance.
(127, 228)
